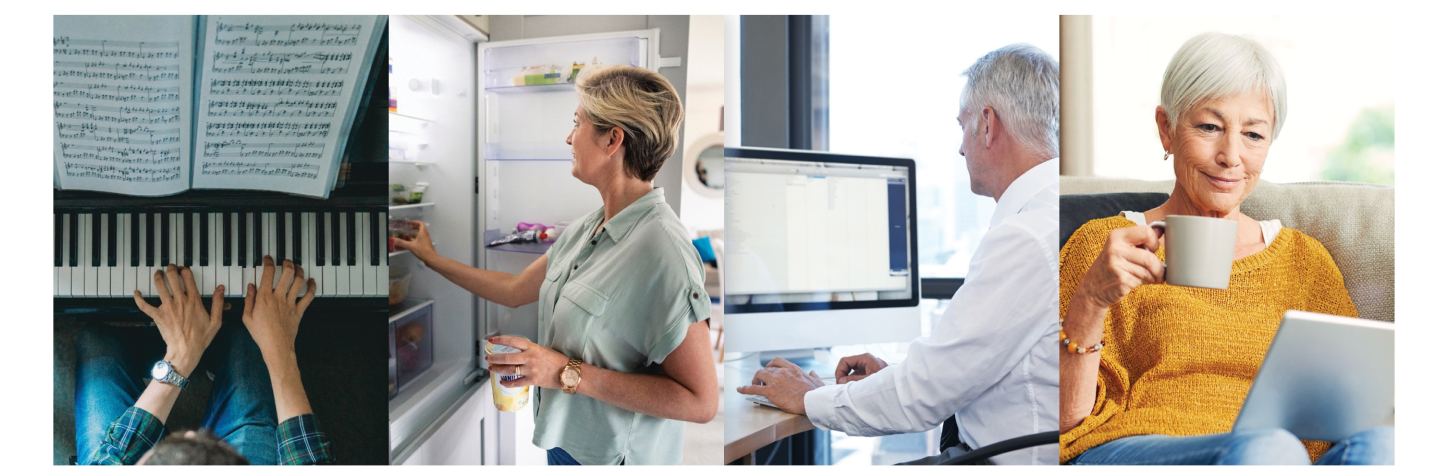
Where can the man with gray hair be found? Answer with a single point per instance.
(992, 359)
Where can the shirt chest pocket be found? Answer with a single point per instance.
(578, 311)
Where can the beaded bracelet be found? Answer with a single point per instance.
(1073, 346)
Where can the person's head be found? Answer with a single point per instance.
(1222, 104)
(1009, 116)
(627, 124)
(192, 448)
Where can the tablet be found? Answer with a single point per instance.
(1325, 377)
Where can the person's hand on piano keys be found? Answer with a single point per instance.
(274, 308)
(184, 323)
(420, 245)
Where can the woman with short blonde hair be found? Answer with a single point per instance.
(623, 359)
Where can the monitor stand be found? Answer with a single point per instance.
(823, 364)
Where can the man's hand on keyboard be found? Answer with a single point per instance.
(184, 323)
(784, 384)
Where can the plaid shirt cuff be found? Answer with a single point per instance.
(302, 442)
(128, 438)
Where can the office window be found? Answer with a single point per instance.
(893, 88)
(1340, 77)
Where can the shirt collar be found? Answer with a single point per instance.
(621, 224)
(1024, 188)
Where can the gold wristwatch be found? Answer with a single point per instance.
(570, 377)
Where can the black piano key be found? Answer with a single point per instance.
(335, 238)
(59, 240)
(350, 238)
(74, 239)
(243, 243)
(257, 247)
(147, 233)
(375, 238)
(110, 243)
(279, 237)
(135, 239)
(164, 239)
(295, 240)
(204, 238)
(189, 246)
(320, 239)
(95, 240)
(226, 238)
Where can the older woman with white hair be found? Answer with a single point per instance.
(1156, 374)
(623, 359)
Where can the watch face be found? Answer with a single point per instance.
(160, 370)
(570, 377)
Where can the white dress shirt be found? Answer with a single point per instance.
(993, 357)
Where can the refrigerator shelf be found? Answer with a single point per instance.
(411, 206)
(525, 89)
(531, 248)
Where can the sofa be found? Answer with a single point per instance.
(1355, 222)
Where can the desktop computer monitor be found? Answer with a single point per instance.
(820, 250)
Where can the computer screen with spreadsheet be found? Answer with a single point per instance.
(818, 231)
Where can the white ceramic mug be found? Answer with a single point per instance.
(1199, 251)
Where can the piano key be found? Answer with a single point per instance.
(320, 234)
(380, 267)
(111, 228)
(133, 223)
(349, 231)
(306, 245)
(166, 219)
(236, 267)
(73, 229)
(147, 237)
(280, 237)
(101, 270)
(335, 238)
(63, 268)
(296, 246)
(187, 258)
(209, 222)
(257, 241)
(270, 242)
(59, 242)
(359, 241)
(117, 254)
(97, 238)
(90, 231)
(327, 271)
(375, 239)
(226, 239)
(342, 247)
(242, 239)
(249, 272)
(158, 245)
(205, 242)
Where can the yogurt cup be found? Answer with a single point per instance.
(506, 399)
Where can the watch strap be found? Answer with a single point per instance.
(574, 364)
(172, 378)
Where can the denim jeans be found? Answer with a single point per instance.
(1250, 447)
(558, 456)
(113, 363)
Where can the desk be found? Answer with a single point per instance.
(748, 426)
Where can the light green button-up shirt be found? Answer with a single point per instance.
(622, 300)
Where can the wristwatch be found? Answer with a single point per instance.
(164, 372)
(570, 377)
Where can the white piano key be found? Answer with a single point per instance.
(342, 247)
(87, 252)
(102, 272)
(251, 272)
(157, 248)
(362, 252)
(237, 277)
(270, 246)
(127, 271)
(383, 271)
(212, 253)
(307, 247)
(122, 247)
(328, 273)
(372, 282)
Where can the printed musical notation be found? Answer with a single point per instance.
(242, 149)
(121, 155)
(137, 135)
(238, 168)
(287, 34)
(111, 93)
(268, 129)
(301, 62)
(281, 108)
(284, 87)
(121, 114)
(66, 47)
(111, 172)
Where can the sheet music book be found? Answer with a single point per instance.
(157, 105)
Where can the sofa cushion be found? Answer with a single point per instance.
(1355, 222)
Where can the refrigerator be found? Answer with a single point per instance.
(514, 114)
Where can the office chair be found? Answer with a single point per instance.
(953, 453)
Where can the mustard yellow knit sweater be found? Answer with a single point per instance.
(1179, 360)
